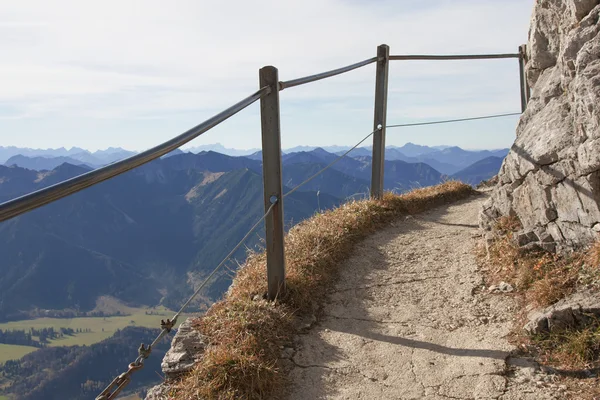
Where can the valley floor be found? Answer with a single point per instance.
(407, 319)
(100, 328)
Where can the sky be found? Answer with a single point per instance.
(133, 74)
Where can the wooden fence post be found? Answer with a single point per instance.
(271, 153)
(525, 90)
(381, 89)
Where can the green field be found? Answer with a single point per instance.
(101, 328)
(13, 352)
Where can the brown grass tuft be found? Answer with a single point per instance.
(592, 258)
(240, 362)
(245, 336)
(508, 224)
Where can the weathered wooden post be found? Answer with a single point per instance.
(271, 153)
(525, 90)
(381, 89)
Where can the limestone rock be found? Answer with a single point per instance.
(573, 312)
(551, 177)
(505, 287)
(186, 349)
(526, 238)
(159, 392)
(501, 287)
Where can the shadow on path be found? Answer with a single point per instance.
(417, 344)
(471, 226)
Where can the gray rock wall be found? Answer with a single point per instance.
(551, 177)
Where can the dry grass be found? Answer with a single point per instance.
(542, 279)
(592, 258)
(245, 336)
(570, 349)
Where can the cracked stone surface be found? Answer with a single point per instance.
(408, 319)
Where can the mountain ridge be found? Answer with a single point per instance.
(161, 222)
(142, 224)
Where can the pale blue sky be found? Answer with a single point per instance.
(135, 73)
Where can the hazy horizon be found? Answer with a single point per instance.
(187, 147)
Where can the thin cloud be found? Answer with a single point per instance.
(137, 62)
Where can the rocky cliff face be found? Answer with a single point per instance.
(551, 177)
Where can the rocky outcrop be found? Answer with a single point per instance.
(186, 348)
(551, 176)
(574, 312)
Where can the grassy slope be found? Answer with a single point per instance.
(245, 336)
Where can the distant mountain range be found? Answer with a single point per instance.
(479, 171)
(147, 236)
(445, 159)
(399, 176)
(39, 163)
(219, 148)
(97, 158)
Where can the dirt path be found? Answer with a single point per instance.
(407, 320)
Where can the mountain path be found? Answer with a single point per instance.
(407, 320)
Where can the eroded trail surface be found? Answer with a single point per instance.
(407, 320)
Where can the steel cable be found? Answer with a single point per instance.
(144, 352)
(454, 120)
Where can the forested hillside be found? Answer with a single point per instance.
(81, 372)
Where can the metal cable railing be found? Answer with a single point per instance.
(273, 216)
(55, 192)
(121, 381)
(447, 121)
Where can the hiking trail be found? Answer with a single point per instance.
(409, 319)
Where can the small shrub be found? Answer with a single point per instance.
(573, 349)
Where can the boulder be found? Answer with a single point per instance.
(575, 311)
(186, 348)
